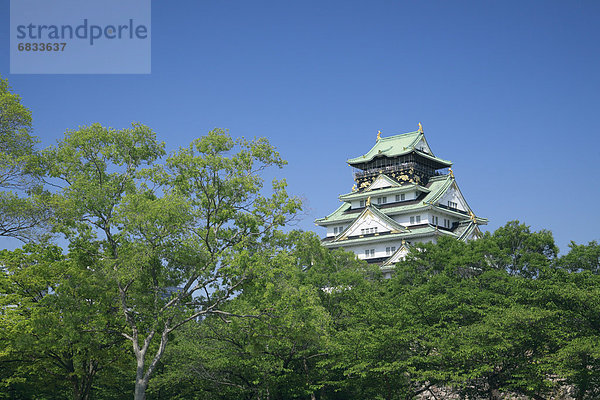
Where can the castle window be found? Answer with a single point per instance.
(362, 203)
(335, 230)
(452, 204)
(412, 220)
(418, 219)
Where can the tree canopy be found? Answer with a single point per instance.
(20, 215)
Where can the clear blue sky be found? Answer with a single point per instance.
(507, 90)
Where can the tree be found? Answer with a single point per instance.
(582, 258)
(16, 142)
(175, 241)
(477, 326)
(277, 353)
(571, 291)
(517, 250)
(54, 311)
(19, 215)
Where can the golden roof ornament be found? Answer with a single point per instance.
(354, 188)
(451, 172)
(420, 130)
(473, 218)
(378, 135)
(368, 201)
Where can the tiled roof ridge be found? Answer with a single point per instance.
(400, 134)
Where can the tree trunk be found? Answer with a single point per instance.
(80, 393)
(76, 394)
(140, 390)
(83, 387)
(312, 393)
(140, 382)
(495, 394)
(142, 375)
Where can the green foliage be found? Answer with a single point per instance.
(16, 142)
(277, 330)
(572, 291)
(173, 241)
(20, 216)
(479, 329)
(582, 258)
(55, 310)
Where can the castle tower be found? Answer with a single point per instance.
(403, 194)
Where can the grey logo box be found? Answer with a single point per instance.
(80, 37)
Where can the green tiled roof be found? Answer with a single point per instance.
(390, 221)
(465, 229)
(425, 230)
(434, 186)
(337, 215)
(441, 187)
(397, 145)
(437, 186)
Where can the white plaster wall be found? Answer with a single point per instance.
(453, 195)
(401, 255)
(404, 219)
(369, 221)
(379, 249)
(380, 183)
(330, 229)
(431, 221)
(451, 219)
(423, 146)
(391, 198)
(359, 250)
(407, 196)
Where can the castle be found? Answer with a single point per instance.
(403, 194)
